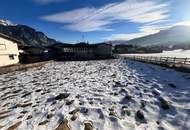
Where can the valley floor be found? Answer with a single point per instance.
(108, 95)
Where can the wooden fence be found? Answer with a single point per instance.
(18, 67)
(161, 60)
(180, 64)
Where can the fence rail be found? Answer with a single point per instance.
(162, 60)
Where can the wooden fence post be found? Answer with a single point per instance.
(185, 60)
(174, 59)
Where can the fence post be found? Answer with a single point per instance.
(156, 59)
(160, 59)
(174, 59)
(185, 60)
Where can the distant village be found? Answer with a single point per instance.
(11, 52)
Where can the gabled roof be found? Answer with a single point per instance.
(9, 38)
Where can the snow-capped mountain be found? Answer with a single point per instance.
(173, 36)
(6, 23)
(29, 36)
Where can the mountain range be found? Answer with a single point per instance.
(26, 34)
(178, 35)
(172, 36)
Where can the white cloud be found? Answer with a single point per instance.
(47, 1)
(143, 31)
(186, 23)
(88, 26)
(96, 19)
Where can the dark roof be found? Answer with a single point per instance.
(62, 45)
(58, 45)
(80, 44)
(103, 43)
(9, 38)
(83, 44)
(32, 47)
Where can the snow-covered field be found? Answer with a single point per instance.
(175, 53)
(104, 94)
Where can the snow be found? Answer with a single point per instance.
(95, 87)
(6, 23)
(175, 53)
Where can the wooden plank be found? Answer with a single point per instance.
(13, 127)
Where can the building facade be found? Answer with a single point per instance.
(103, 50)
(8, 50)
(82, 51)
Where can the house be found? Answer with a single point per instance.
(8, 50)
(81, 51)
(63, 51)
(31, 54)
(103, 50)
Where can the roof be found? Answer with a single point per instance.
(59, 45)
(9, 38)
(65, 45)
(78, 45)
(33, 47)
(103, 43)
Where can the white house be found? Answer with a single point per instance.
(8, 50)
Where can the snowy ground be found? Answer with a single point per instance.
(175, 53)
(107, 93)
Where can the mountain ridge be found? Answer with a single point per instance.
(28, 35)
(171, 36)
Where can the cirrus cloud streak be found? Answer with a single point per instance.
(90, 19)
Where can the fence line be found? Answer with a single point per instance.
(160, 60)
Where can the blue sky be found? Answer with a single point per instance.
(97, 20)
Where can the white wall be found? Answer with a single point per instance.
(8, 48)
(4, 60)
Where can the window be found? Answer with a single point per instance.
(2, 47)
(11, 57)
